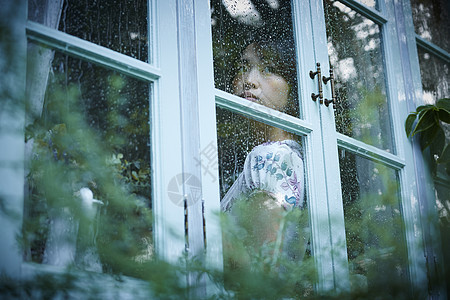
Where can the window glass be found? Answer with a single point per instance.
(373, 225)
(432, 21)
(435, 74)
(442, 190)
(89, 190)
(120, 25)
(369, 3)
(355, 51)
(254, 53)
(266, 229)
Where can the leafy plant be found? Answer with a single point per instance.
(429, 126)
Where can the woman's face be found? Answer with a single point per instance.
(258, 82)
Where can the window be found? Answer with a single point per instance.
(96, 143)
(146, 118)
(353, 147)
(429, 28)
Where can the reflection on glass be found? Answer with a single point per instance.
(262, 189)
(354, 48)
(369, 3)
(442, 191)
(432, 21)
(435, 74)
(89, 201)
(373, 224)
(254, 54)
(120, 25)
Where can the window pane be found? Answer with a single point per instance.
(355, 51)
(373, 224)
(266, 229)
(435, 74)
(91, 140)
(120, 25)
(442, 190)
(369, 3)
(432, 21)
(254, 52)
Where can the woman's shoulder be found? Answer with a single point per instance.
(289, 145)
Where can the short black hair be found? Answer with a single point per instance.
(283, 55)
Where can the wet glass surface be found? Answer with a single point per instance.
(355, 51)
(120, 25)
(89, 183)
(369, 3)
(266, 223)
(237, 136)
(373, 224)
(254, 52)
(435, 74)
(432, 21)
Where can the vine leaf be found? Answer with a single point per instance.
(426, 121)
(445, 156)
(429, 125)
(409, 123)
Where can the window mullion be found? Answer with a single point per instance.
(91, 52)
(13, 51)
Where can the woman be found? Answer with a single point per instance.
(275, 166)
(270, 188)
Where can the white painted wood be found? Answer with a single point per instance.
(329, 150)
(377, 16)
(166, 138)
(262, 113)
(370, 152)
(91, 52)
(424, 198)
(432, 48)
(314, 160)
(208, 137)
(397, 94)
(12, 120)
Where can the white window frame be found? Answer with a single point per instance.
(166, 156)
(413, 178)
(172, 149)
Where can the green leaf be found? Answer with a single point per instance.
(444, 158)
(444, 115)
(439, 142)
(283, 166)
(409, 123)
(426, 121)
(279, 176)
(424, 108)
(443, 104)
(435, 138)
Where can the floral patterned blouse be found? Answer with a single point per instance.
(274, 167)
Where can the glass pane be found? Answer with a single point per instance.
(442, 190)
(369, 3)
(254, 52)
(435, 74)
(355, 51)
(266, 229)
(432, 21)
(373, 224)
(89, 202)
(120, 25)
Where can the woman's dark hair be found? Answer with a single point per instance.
(283, 58)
